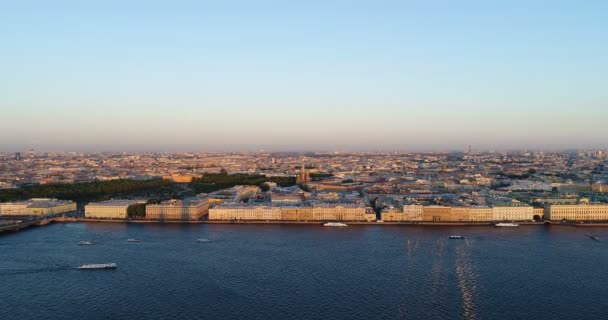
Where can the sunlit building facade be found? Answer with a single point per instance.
(582, 212)
(187, 209)
(110, 209)
(38, 207)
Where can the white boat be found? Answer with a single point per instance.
(335, 224)
(133, 240)
(506, 224)
(95, 266)
(86, 243)
(203, 240)
(457, 237)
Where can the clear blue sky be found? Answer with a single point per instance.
(209, 75)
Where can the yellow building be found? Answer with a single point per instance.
(599, 187)
(181, 178)
(392, 214)
(370, 215)
(516, 212)
(39, 207)
(460, 214)
(581, 212)
(289, 213)
(413, 212)
(436, 213)
(322, 212)
(338, 212)
(110, 209)
(244, 213)
(481, 214)
(187, 209)
(296, 213)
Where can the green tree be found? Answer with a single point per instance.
(87, 190)
(213, 182)
(136, 211)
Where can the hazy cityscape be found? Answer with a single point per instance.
(402, 212)
(455, 187)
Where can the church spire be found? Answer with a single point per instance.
(303, 176)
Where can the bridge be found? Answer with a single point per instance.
(16, 224)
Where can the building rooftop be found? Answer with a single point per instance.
(115, 202)
(188, 202)
(39, 202)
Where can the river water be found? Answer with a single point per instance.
(304, 272)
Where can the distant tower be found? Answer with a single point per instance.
(303, 175)
(18, 156)
(469, 149)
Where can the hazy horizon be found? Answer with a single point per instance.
(302, 149)
(317, 75)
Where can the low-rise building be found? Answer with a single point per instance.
(317, 212)
(412, 212)
(392, 214)
(247, 212)
(37, 207)
(110, 209)
(187, 209)
(513, 212)
(296, 213)
(481, 214)
(370, 215)
(181, 178)
(581, 212)
(437, 213)
(339, 212)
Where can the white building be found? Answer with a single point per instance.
(37, 207)
(515, 212)
(110, 209)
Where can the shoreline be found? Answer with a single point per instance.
(43, 222)
(387, 223)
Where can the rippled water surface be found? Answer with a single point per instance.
(304, 272)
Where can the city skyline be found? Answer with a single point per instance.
(230, 76)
